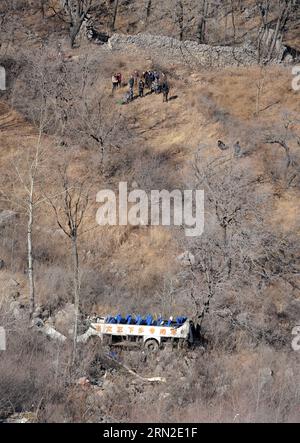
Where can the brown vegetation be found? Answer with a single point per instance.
(243, 288)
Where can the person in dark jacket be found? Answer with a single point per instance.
(146, 79)
(156, 87)
(151, 76)
(131, 82)
(141, 88)
(131, 86)
(165, 90)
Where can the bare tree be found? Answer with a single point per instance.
(230, 202)
(29, 179)
(287, 138)
(202, 25)
(148, 9)
(275, 259)
(43, 5)
(115, 14)
(179, 18)
(97, 125)
(285, 8)
(227, 191)
(70, 210)
(76, 12)
(209, 274)
(260, 84)
(272, 28)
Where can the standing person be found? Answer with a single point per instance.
(156, 86)
(131, 85)
(141, 88)
(147, 79)
(60, 51)
(131, 82)
(165, 90)
(136, 76)
(115, 82)
(151, 76)
(119, 77)
(156, 75)
(144, 77)
(131, 95)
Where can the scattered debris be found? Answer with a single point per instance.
(49, 330)
(147, 379)
(22, 417)
(95, 36)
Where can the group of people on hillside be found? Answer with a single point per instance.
(154, 81)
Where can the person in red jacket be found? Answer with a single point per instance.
(119, 77)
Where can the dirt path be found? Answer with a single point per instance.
(10, 120)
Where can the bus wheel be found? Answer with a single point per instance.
(151, 345)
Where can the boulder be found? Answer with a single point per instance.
(17, 310)
(266, 376)
(12, 288)
(186, 259)
(83, 382)
(64, 319)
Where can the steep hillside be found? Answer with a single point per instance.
(232, 131)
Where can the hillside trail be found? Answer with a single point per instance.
(9, 119)
(16, 135)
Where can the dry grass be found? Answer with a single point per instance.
(126, 268)
(169, 134)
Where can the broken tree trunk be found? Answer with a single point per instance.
(147, 379)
